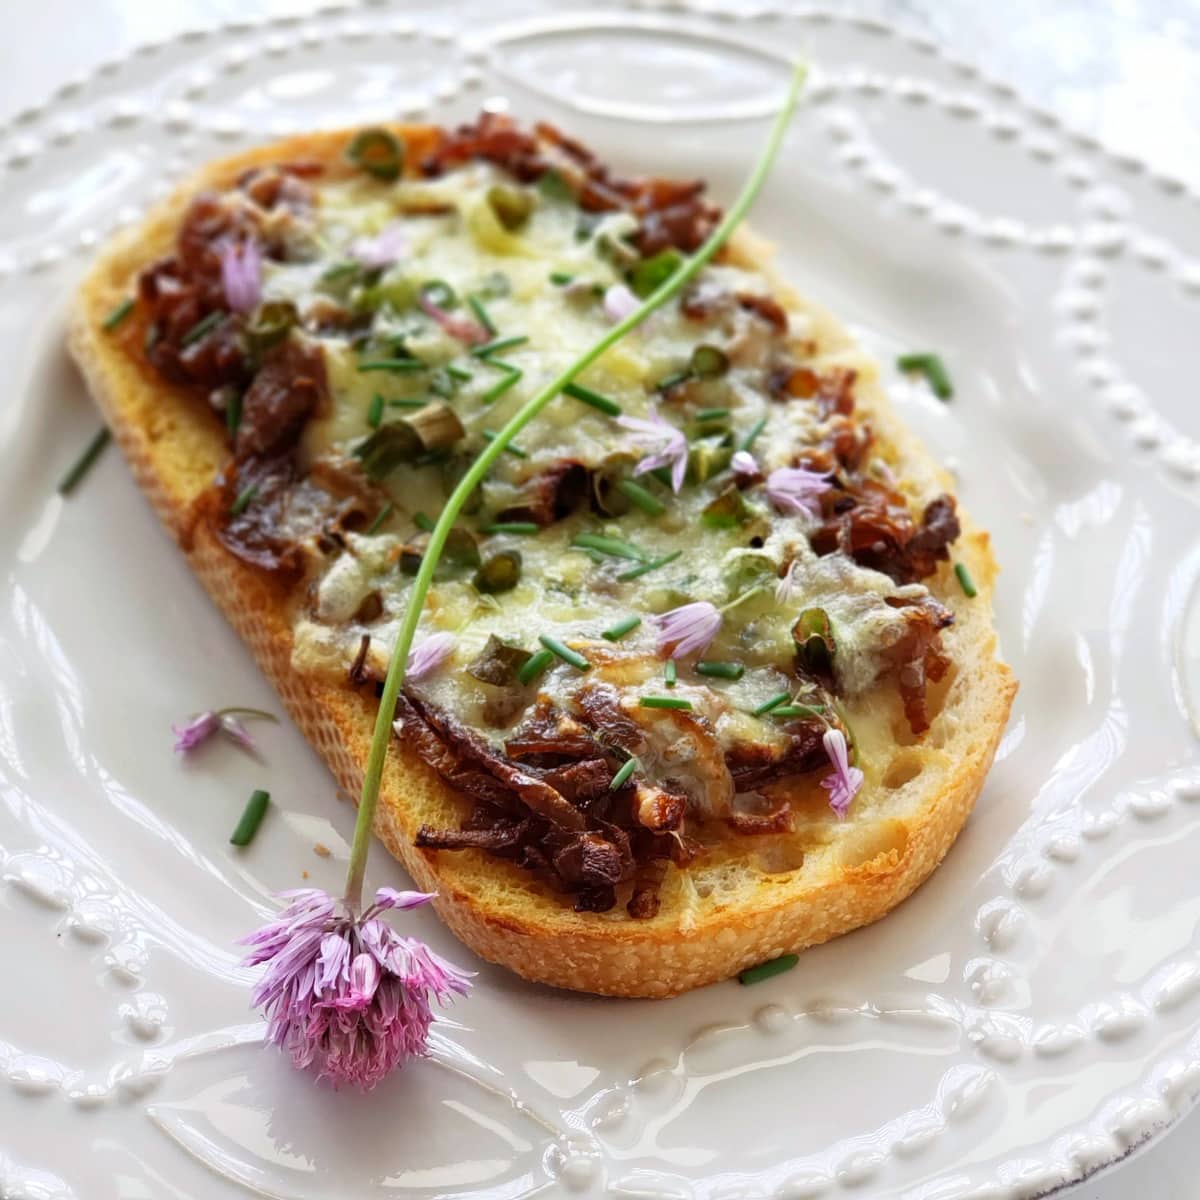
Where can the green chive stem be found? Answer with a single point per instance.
(671, 673)
(677, 702)
(397, 365)
(481, 315)
(533, 667)
(423, 521)
(497, 390)
(498, 344)
(586, 396)
(512, 527)
(775, 701)
(83, 464)
(459, 373)
(117, 315)
(720, 670)
(614, 633)
(252, 818)
(233, 413)
(797, 710)
(243, 499)
(776, 966)
(639, 496)
(934, 370)
(516, 451)
(614, 547)
(381, 516)
(646, 567)
(752, 434)
(406, 403)
(965, 581)
(687, 270)
(565, 652)
(621, 778)
(375, 411)
(203, 326)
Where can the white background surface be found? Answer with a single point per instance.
(1127, 72)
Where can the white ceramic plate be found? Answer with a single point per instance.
(1026, 1018)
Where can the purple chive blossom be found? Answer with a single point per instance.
(744, 463)
(843, 784)
(795, 489)
(381, 250)
(195, 732)
(233, 728)
(688, 629)
(241, 275)
(429, 655)
(346, 997)
(462, 328)
(619, 302)
(665, 444)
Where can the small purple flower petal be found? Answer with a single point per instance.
(843, 784)
(232, 727)
(786, 587)
(381, 250)
(401, 901)
(241, 275)
(665, 444)
(619, 302)
(795, 489)
(348, 998)
(425, 658)
(688, 629)
(197, 731)
(462, 328)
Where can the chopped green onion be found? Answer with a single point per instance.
(652, 565)
(711, 414)
(965, 581)
(607, 545)
(932, 368)
(83, 464)
(243, 499)
(776, 966)
(636, 494)
(614, 633)
(621, 778)
(561, 278)
(752, 434)
(271, 324)
(233, 413)
(407, 403)
(511, 205)
(397, 365)
(671, 673)
(481, 315)
(489, 436)
(565, 652)
(528, 527)
(202, 327)
(797, 710)
(381, 516)
(252, 818)
(117, 315)
(439, 292)
(597, 401)
(498, 344)
(651, 273)
(665, 702)
(668, 382)
(377, 152)
(708, 362)
(375, 411)
(463, 376)
(424, 521)
(720, 670)
(554, 187)
(497, 390)
(500, 573)
(535, 666)
(775, 701)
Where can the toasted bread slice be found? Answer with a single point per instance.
(749, 899)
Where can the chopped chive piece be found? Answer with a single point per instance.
(439, 292)
(797, 710)
(965, 581)
(482, 315)
(83, 464)
(752, 434)
(650, 273)
(375, 411)
(636, 494)
(498, 344)
(377, 152)
(932, 368)
(554, 187)
(243, 499)
(252, 818)
(720, 670)
(614, 633)
(498, 389)
(407, 403)
(398, 365)
(775, 701)
(381, 516)
(652, 565)
(534, 666)
(561, 278)
(671, 673)
(203, 326)
(708, 361)
(776, 966)
(117, 315)
(673, 380)
(565, 652)
(459, 373)
(514, 450)
(423, 521)
(597, 401)
(621, 778)
(440, 384)
(512, 527)
(233, 413)
(712, 414)
(607, 545)
(665, 702)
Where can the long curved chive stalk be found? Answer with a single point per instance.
(687, 270)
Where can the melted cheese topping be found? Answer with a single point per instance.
(563, 591)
